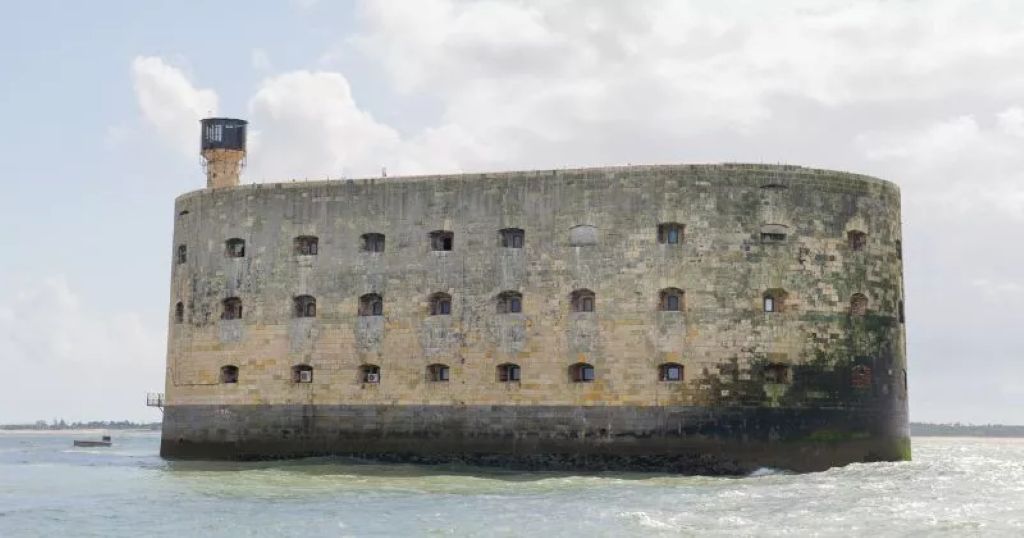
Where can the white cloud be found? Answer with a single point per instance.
(170, 103)
(50, 340)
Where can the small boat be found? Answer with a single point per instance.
(104, 442)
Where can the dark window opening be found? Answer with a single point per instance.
(438, 372)
(182, 254)
(369, 373)
(179, 312)
(441, 240)
(899, 249)
(229, 374)
(302, 373)
(306, 245)
(858, 304)
(856, 239)
(373, 242)
(508, 373)
(902, 316)
(232, 308)
(510, 302)
(776, 373)
(512, 238)
(305, 306)
(670, 300)
(371, 304)
(583, 301)
(183, 212)
(670, 233)
(581, 373)
(774, 186)
(774, 300)
(440, 304)
(670, 372)
(234, 248)
(773, 237)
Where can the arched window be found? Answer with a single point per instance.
(229, 374)
(774, 300)
(670, 300)
(182, 254)
(179, 312)
(302, 373)
(670, 371)
(776, 373)
(670, 233)
(583, 300)
(373, 242)
(440, 304)
(438, 372)
(442, 240)
(234, 248)
(371, 304)
(232, 308)
(512, 237)
(508, 373)
(369, 373)
(858, 304)
(581, 372)
(305, 306)
(306, 245)
(510, 302)
(856, 239)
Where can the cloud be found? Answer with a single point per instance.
(51, 339)
(171, 103)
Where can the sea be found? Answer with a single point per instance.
(953, 487)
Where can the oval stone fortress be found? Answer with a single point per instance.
(682, 318)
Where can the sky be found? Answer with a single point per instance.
(101, 102)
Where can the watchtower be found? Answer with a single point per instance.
(222, 142)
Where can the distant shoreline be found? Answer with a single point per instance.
(924, 429)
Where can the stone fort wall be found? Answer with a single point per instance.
(831, 355)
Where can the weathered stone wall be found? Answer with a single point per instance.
(723, 338)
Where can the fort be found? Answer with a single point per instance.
(683, 318)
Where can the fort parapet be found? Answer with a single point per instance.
(685, 318)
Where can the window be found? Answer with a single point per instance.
(583, 300)
(582, 235)
(510, 302)
(858, 304)
(234, 248)
(373, 242)
(179, 312)
(229, 374)
(776, 373)
(305, 306)
(440, 304)
(512, 238)
(581, 373)
(670, 233)
(899, 249)
(232, 308)
(438, 372)
(774, 233)
(369, 373)
(302, 373)
(182, 254)
(902, 316)
(670, 300)
(774, 300)
(670, 372)
(441, 240)
(856, 239)
(306, 245)
(371, 304)
(508, 373)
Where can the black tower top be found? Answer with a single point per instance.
(223, 133)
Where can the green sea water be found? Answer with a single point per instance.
(954, 487)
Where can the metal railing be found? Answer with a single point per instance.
(155, 399)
